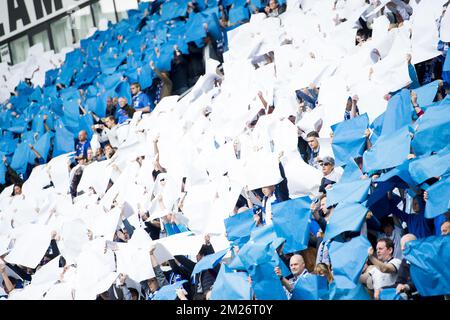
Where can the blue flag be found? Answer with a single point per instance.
(64, 141)
(351, 172)
(390, 294)
(239, 227)
(429, 259)
(432, 130)
(351, 192)
(174, 9)
(426, 93)
(438, 198)
(311, 287)
(2, 169)
(359, 292)
(238, 14)
(348, 259)
(389, 151)
(123, 90)
(398, 113)
(19, 161)
(42, 146)
(346, 217)
(230, 285)
(291, 220)
(266, 284)
(209, 261)
(194, 27)
(168, 292)
(349, 140)
(433, 166)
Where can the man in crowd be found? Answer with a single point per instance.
(141, 102)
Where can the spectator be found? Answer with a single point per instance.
(330, 176)
(111, 106)
(141, 102)
(204, 280)
(351, 110)
(108, 133)
(445, 228)
(323, 270)
(384, 269)
(391, 231)
(125, 112)
(179, 73)
(273, 9)
(314, 148)
(404, 283)
(82, 145)
(164, 87)
(298, 269)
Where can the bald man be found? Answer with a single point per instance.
(298, 269)
(404, 283)
(82, 145)
(445, 228)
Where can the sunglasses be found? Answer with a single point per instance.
(325, 164)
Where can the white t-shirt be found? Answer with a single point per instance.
(381, 279)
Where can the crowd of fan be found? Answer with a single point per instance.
(402, 221)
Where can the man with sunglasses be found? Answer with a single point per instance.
(330, 176)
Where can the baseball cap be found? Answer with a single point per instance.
(328, 159)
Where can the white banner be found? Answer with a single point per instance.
(19, 15)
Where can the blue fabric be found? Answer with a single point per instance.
(168, 292)
(291, 220)
(390, 294)
(399, 174)
(426, 93)
(85, 123)
(438, 198)
(64, 141)
(266, 284)
(351, 172)
(2, 169)
(429, 264)
(348, 259)
(398, 113)
(123, 90)
(310, 287)
(377, 127)
(239, 227)
(359, 292)
(238, 14)
(349, 140)
(413, 75)
(174, 9)
(389, 151)
(351, 192)
(42, 146)
(346, 217)
(433, 130)
(433, 166)
(194, 27)
(19, 161)
(230, 285)
(209, 261)
(71, 116)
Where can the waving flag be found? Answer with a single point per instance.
(346, 217)
(429, 264)
(349, 139)
(291, 221)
